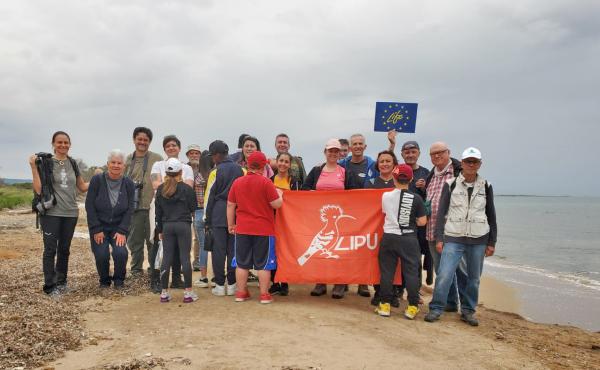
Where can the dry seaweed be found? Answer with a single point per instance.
(36, 328)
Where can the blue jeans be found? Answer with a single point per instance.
(458, 282)
(199, 228)
(451, 257)
(102, 256)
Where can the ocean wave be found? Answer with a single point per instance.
(573, 278)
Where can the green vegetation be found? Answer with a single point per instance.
(12, 196)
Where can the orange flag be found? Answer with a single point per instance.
(329, 237)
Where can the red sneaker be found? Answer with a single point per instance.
(266, 298)
(241, 296)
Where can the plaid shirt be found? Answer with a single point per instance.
(199, 188)
(434, 191)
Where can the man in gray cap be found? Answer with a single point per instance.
(410, 153)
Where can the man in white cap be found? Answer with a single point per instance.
(466, 227)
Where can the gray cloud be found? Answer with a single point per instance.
(517, 80)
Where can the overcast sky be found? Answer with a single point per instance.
(519, 81)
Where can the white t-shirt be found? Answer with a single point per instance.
(412, 208)
(187, 173)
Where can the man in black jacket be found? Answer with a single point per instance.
(216, 217)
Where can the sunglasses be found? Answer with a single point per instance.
(472, 161)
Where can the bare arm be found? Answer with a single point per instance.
(37, 182)
(392, 139)
(82, 185)
(422, 221)
(277, 203)
(231, 217)
(190, 183)
(156, 180)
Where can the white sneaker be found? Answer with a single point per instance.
(189, 296)
(202, 283)
(231, 289)
(219, 290)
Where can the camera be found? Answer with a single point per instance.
(41, 156)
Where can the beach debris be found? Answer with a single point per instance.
(36, 329)
(499, 335)
(148, 362)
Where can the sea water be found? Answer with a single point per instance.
(549, 250)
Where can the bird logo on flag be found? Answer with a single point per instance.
(327, 238)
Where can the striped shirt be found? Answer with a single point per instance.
(434, 191)
(199, 188)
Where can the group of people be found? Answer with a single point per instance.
(441, 220)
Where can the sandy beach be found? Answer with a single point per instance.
(132, 330)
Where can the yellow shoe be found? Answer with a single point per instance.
(383, 309)
(411, 312)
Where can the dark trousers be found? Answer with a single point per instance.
(407, 249)
(177, 239)
(102, 255)
(424, 245)
(223, 252)
(176, 265)
(57, 235)
(139, 234)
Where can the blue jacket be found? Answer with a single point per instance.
(101, 216)
(371, 171)
(216, 206)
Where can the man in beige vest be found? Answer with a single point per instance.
(466, 228)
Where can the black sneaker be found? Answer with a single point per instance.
(469, 318)
(285, 290)
(252, 278)
(363, 291)
(432, 316)
(375, 300)
(275, 289)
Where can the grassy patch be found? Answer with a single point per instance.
(12, 196)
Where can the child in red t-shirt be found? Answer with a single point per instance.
(250, 217)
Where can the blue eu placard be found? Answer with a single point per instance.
(401, 117)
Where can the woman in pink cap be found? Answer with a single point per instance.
(331, 176)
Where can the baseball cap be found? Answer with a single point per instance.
(410, 145)
(333, 143)
(403, 172)
(471, 152)
(193, 147)
(218, 147)
(257, 159)
(173, 165)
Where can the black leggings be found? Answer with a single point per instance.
(57, 234)
(176, 236)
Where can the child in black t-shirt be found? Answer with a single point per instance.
(404, 211)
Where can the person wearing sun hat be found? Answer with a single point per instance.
(175, 204)
(404, 211)
(466, 229)
(251, 219)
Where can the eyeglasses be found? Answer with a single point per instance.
(471, 161)
(440, 152)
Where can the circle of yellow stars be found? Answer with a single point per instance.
(395, 116)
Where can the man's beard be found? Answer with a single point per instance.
(194, 163)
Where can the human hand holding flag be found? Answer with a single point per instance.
(401, 117)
